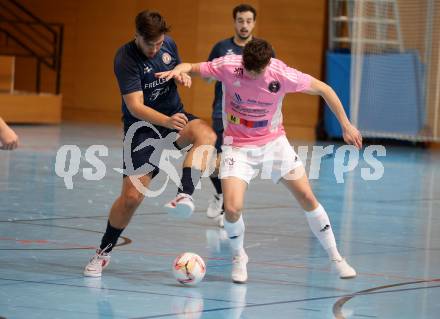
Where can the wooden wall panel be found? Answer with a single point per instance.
(296, 30)
(7, 71)
(57, 12)
(101, 30)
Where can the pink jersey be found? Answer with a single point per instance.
(252, 107)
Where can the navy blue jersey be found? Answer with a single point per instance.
(135, 72)
(222, 48)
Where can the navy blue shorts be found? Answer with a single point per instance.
(149, 153)
(217, 126)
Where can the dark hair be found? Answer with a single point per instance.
(256, 55)
(244, 8)
(150, 25)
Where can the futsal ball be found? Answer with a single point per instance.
(189, 268)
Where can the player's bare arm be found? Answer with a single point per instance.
(182, 68)
(351, 134)
(136, 106)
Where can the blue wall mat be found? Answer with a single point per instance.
(338, 77)
(391, 100)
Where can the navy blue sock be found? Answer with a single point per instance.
(217, 184)
(190, 178)
(110, 237)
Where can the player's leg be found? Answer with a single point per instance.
(215, 207)
(236, 171)
(298, 184)
(120, 214)
(202, 137)
(130, 198)
(233, 193)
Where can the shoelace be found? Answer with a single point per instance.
(95, 258)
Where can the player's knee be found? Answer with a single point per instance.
(233, 211)
(207, 136)
(307, 200)
(211, 137)
(132, 200)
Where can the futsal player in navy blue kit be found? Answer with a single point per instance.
(157, 102)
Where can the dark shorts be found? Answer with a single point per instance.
(217, 126)
(149, 154)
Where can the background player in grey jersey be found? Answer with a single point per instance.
(244, 17)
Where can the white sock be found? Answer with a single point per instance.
(235, 233)
(320, 225)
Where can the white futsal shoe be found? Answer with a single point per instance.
(344, 270)
(239, 268)
(97, 263)
(215, 209)
(181, 207)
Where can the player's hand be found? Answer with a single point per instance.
(8, 139)
(168, 75)
(177, 121)
(352, 136)
(184, 79)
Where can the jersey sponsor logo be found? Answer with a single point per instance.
(238, 72)
(154, 83)
(274, 86)
(237, 84)
(259, 103)
(233, 119)
(166, 58)
(158, 92)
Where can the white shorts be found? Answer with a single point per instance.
(271, 161)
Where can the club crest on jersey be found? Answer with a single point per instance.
(166, 58)
(274, 86)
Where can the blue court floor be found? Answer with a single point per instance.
(388, 229)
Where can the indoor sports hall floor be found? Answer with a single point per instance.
(388, 230)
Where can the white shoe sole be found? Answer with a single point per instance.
(348, 277)
(239, 281)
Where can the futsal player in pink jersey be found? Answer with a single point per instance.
(254, 86)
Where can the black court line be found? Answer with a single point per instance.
(300, 300)
(337, 307)
(114, 289)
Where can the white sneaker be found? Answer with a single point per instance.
(220, 220)
(181, 207)
(215, 207)
(239, 269)
(97, 263)
(344, 270)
